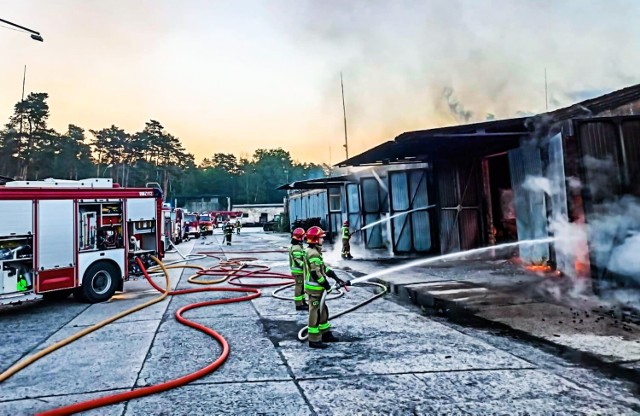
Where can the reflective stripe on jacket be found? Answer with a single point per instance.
(345, 233)
(314, 274)
(296, 259)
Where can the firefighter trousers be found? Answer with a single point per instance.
(346, 247)
(318, 319)
(228, 238)
(298, 294)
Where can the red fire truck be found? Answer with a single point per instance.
(81, 237)
(222, 216)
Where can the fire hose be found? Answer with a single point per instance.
(302, 336)
(157, 388)
(231, 270)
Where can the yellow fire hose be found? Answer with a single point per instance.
(35, 357)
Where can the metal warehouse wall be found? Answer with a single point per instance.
(311, 204)
(609, 164)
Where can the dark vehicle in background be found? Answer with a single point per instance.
(273, 225)
(191, 225)
(206, 224)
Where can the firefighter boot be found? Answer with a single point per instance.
(329, 337)
(317, 344)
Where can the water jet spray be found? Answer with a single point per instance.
(450, 256)
(394, 216)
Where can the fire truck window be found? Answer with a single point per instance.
(100, 227)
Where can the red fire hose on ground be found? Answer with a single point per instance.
(230, 270)
(145, 391)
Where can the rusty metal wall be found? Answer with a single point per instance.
(448, 194)
(609, 159)
(598, 153)
(531, 211)
(631, 134)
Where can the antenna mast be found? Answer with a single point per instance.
(344, 115)
(546, 99)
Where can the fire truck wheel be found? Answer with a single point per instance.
(57, 295)
(99, 283)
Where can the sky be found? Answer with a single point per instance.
(234, 76)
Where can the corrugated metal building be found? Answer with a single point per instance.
(323, 198)
(505, 180)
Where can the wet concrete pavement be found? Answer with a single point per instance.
(394, 359)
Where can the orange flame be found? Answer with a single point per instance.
(539, 268)
(582, 268)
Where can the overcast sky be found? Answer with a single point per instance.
(233, 76)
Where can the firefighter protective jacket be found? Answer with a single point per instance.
(296, 258)
(315, 276)
(345, 233)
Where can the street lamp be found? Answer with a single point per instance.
(34, 35)
(105, 169)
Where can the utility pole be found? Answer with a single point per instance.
(24, 80)
(344, 115)
(546, 99)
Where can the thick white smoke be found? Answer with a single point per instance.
(611, 235)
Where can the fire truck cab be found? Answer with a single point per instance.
(59, 237)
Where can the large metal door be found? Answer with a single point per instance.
(460, 215)
(353, 209)
(410, 215)
(371, 209)
(530, 203)
(558, 200)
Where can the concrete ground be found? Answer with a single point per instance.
(393, 359)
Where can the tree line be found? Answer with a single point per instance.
(31, 150)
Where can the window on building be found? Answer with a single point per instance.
(335, 201)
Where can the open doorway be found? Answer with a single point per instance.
(501, 214)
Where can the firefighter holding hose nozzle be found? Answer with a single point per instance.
(346, 236)
(315, 284)
(296, 264)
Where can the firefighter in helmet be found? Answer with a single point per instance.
(296, 264)
(228, 231)
(316, 275)
(346, 236)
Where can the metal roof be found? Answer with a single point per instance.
(318, 183)
(484, 138)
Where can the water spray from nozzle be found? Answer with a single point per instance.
(394, 216)
(450, 256)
